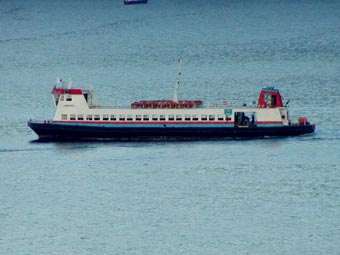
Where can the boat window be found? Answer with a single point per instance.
(96, 117)
(171, 117)
(122, 117)
(80, 117)
(89, 117)
(113, 117)
(145, 117)
(162, 117)
(69, 98)
(62, 98)
(129, 118)
(211, 117)
(204, 117)
(220, 117)
(270, 99)
(64, 116)
(154, 117)
(105, 117)
(72, 117)
(187, 117)
(138, 117)
(195, 117)
(178, 117)
(273, 102)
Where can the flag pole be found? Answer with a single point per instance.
(177, 81)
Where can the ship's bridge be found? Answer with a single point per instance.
(270, 98)
(68, 94)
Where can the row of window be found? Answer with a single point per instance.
(121, 117)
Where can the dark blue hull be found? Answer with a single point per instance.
(135, 1)
(64, 132)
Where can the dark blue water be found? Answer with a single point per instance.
(269, 196)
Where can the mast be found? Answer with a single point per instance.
(70, 84)
(177, 81)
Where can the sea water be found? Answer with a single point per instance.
(263, 196)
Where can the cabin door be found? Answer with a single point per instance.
(245, 119)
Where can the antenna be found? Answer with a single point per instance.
(177, 81)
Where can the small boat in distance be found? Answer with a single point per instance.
(79, 116)
(135, 1)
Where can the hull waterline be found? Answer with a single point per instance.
(50, 131)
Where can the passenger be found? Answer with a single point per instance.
(252, 120)
(246, 121)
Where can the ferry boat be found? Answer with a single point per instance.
(135, 1)
(79, 116)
